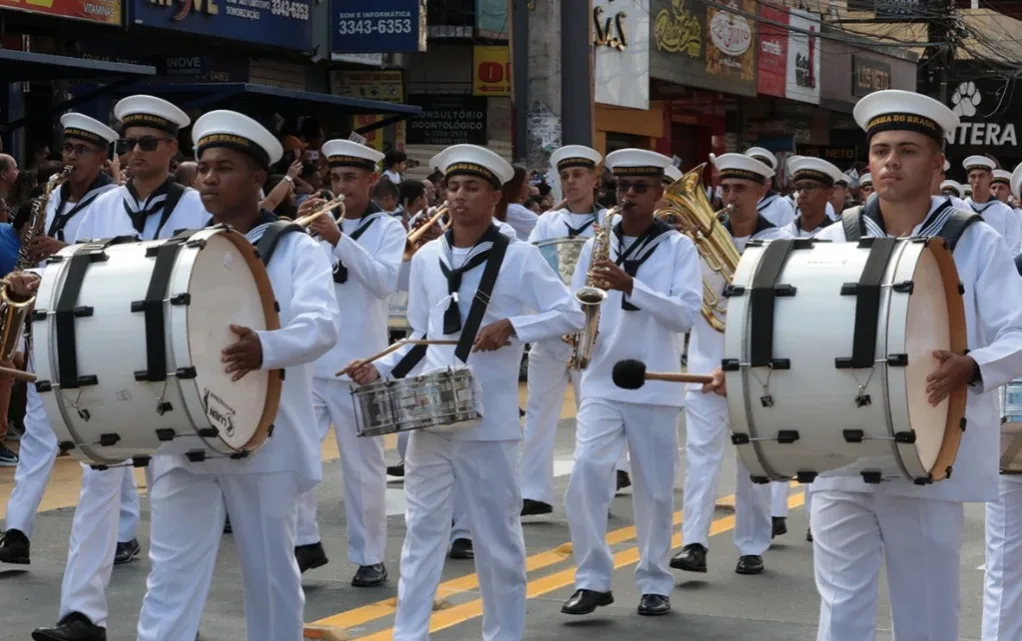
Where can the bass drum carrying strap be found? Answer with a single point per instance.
(951, 232)
(267, 244)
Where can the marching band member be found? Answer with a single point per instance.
(952, 188)
(814, 180)
(86, 142)
(1000, 187)
(651, 275)
(366, 252)
(159, 207)
(982, 201)
(743, 180)
(447, 297)
(917, 529)
(839, 199)
(1002, 593)
(549, 374)
(866, 186)
(778, 211)
(189, 499)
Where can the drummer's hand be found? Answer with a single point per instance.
(362, 373)
(327, 229)
(23, 284)
(43, 247)
(244, 356)
(494, 336)
(718, 385)
(954, 371)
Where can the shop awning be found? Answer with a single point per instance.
(22, 66)
(246, 97)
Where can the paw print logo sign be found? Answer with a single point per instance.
(965, 99)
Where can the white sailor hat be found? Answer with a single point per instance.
(348, 153)
(897, 110)
(150, 111)
(844, 180)
(979, 162)
(967, 188)
(672, 174)
(765, 156)
(1002, 176)
(865, 179)
(575, 156)
(952, 185)
(818, 169)
(236, 131)
(742, 166)
(637, 162)
(1016, 181)
(81, 127)
(473, 160)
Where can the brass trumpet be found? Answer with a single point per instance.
(325, 208)
(412, 240)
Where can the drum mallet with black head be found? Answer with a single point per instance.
(632, 374)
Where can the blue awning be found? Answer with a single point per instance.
(23, 66)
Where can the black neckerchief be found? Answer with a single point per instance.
(648, 238)
(56, 229)
(573, 232)
(762, 224)
(871, 210)
(452, 317)
(138, 218)
(340, 269)
(984, 206)
(826, 222)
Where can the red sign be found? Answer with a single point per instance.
(773, 51)
(105, 11)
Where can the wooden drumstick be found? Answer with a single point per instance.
(632, 374)
(391, 348)
(17, 374)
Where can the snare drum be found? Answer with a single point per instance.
(826, 354)
(127, 338)
(1010, 396)
(444, 400)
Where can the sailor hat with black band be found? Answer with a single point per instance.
(575, 156)
(672, 175)
(979, 162)
(473, 160)
(81, 127)
(150, 111)
(1016, 181)
(897, 110)
(954, 186)
(843, 181)
(236, 131)
(765, 156)
(1002, 176)
(637, 162)
(818, 169)
(866, 179)
(348, 153)
(743, 167)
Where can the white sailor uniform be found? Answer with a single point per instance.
(777, 210)
(366, 261)
(1002, 218)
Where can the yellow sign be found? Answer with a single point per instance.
(676, 30)
(387, 86)
(491, 71)
(610, 32)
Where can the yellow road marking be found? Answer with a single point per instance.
(544, 585)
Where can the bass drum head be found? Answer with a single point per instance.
(229, 285)
(935, 321)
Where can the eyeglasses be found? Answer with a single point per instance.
(145, 143)
(81, 150)
(640, 187)
(808, 188)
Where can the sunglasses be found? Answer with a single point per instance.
(640, 187)
(145, 143)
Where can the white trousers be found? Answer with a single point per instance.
(107, 512)
(706, 428)
(363, 472)
(779, 491)
(920, 541)
(486, 473)
(460, 529)
(651, 435)
(1002, 593)
(187, 526)
(548, 381)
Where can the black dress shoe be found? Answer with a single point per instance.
(586, 601)
(462, 549)
(780, 526)
(369, 576)
(692, 558)
(535, 508)
(396, 470)
(14, 547)
(809, 534)
(750, 564)
(127, 552)
(654, 605)
(624, 480)
(73, 627)
(310, 556)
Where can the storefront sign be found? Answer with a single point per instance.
(387, 26)
(491, 75)
(447, 120)
(276, 23)
(105, 11)
(899, 10)
(869, 75)
(729, 50)
(840, 156)
(493, 22)
(990, 114)
(803, 76)
(676, 30)
(387, 86)
(772, 68)
(621, 34)
(170, 67)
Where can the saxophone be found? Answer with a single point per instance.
(13, 312)
(591, 297)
